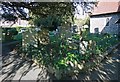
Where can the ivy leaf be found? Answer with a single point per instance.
(71, 64)
(80, 66)
(76, 63)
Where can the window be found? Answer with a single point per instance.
(96, 30)
(107, 22)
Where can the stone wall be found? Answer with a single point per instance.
(99, 23)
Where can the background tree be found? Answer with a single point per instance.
(14, 10)
(42, 13)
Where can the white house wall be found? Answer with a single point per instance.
(19, 22)
(100, 23)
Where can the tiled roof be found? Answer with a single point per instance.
(106, 6)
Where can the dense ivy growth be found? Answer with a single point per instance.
(65, 57)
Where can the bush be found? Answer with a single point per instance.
(9, 34)
(13, 31)
(18, 37)
(68, 57)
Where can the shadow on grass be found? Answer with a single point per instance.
(108, 69)
(19, 69)
(15, 68)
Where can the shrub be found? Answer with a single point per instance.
(68, 57)
(9, 33)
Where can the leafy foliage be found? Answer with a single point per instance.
(18, 37)
(42, 9)
(9, 33)
(49, 22)
(9, 17)
(103, 41)
(43, 15)
(67, 57)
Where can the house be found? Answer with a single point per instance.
(106, 17)
(19, 22)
